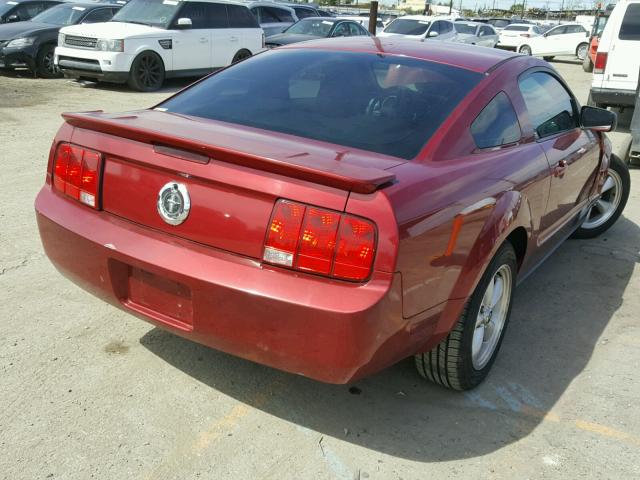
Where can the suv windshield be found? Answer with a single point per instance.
(385, 104)
(465, 28)
(407, 27)
(156, 13)
(60, 15)
(319, 28)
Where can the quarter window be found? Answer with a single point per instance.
(630, 28)
(240, 17)
(551, 108)
(497, 124)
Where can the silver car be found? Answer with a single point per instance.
(475, 33)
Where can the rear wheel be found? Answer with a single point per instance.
(525, 50)
(463, 359)
(582, 51)
(147, 72)
(587, 64)
(241, 55)
(45, 66)
(606, 210)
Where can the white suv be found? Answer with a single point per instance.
(615, 72)
(150, 40)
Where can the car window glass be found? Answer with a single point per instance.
(465, 28)
(99, 15)
(312, 26)
(557, 31)
(516, 28)
(303, 12)
(630, 28)
(497, 124)
(488, 31)
(341, 30)
(198, 13)
(240, 17)
(354, 30)
(408, 27)
(551, 109)
(446, 27)
(27, 11)
(386, 104)
(283, 15)
(575, 29)
(435, 27)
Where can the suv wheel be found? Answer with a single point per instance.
(241, 55)
(606, 210)
(463, 359)
(44, 63)
(147, 72)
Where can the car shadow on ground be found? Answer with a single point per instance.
(559, 316)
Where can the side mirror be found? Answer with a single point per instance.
(13, 18)
(184, 23)
(598, 119)
(432, 34)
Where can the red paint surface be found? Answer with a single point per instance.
(204, 279)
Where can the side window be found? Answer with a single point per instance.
(630, 28)
(341, 30)
(303, 13)
(354, 30)
(197, 12)
(446, 27)
(283, 15)
(557, 31)
(484, 31)
(27, 11)
(435, 27)
(497, 124)
(99, 15)
(551, 108)
(240, 17)
(575, 29)
(267, 15)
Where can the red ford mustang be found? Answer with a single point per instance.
(333, 207)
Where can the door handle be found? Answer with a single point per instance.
(581, 151)
(560, 169)
(233, 39)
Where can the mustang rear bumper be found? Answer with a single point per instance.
(325, 329)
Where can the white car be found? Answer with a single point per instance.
(615, 70)
(513, 35)
(420, 27)
(474, 33)
(150, 40)
(567, 39)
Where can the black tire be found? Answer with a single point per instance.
(241, 55)
(45, 67)
(587, 64)
(147, 72)
(548, 58)
(619, 167)
(450, 364)
(526, 48)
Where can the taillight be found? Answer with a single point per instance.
(316, 240)
(525, 35)
(76, 173)
(601, 62)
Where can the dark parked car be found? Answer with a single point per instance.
(332, 207)
(316, 28)
(31, 44)
(23, 10)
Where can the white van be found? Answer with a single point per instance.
(615, 72)
(150, 40)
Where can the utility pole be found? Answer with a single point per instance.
(524, 7)
(450, 6)
(373, 17)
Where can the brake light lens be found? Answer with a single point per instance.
(601, 62)
(317, 240)
(76, 173)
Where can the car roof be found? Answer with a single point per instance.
(456, 55)
(473, 24)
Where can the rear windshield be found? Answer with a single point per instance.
(630, 28)
(407, 27)
(385, 104)
(498, 22)
(517, 28)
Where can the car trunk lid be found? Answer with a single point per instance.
(233, 175)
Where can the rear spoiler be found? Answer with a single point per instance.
(135, 126)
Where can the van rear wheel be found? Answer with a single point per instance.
(587, 64)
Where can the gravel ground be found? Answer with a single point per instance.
(87, 391)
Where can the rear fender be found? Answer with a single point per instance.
(510, 211)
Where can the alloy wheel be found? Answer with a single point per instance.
(49, 65)
(525, 50)
(582, 51)
(605, 207)
(491, 317)
(149, 71)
